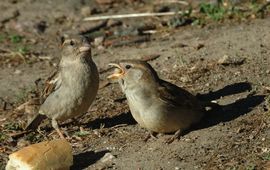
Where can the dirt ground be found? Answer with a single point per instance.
(227, 62)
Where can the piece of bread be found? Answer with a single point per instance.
(49, 155)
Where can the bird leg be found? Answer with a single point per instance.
(176, 135)
(153, 135)
(55, 126)
(150, 135)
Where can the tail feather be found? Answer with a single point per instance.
(35, 122)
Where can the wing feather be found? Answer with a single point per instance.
(51, 84)
(172, 94)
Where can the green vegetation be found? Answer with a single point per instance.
(12, 126)
(34, 137)
(3, 136)
(251, 167)
(220, 11)
(213, 11)
(266, 157)
(22, 95)
(23, 50)
(16, 38)
(81, 133)
(181, 19)
(13, 38)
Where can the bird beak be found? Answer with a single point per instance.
(84, 48)
(118, 73)
(62, 45)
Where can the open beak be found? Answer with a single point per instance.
(118, 73)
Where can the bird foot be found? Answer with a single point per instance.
(56, 127)
(150, 135)
(60, 133)
(176, 136)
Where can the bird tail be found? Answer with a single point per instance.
(35, 122)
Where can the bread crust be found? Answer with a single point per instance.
(48, 155)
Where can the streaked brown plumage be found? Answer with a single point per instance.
(70, 90)
(155, 104)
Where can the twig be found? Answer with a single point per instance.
(19, 134)
(12, 16)
(21, 107)
(45, 57)
(147, 14)
(125, 42)
(173, 1)
(20, 55)
(93, 28)
(149, 32)
(150, 57)
(266, 88)
(120, 125)
(5, 103)
(5, 50)
(8, 53)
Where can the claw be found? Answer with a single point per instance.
(176, 136)
(150, 135)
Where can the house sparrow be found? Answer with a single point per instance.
(70, 90)
(155, 104)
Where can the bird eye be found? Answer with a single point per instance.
(71, 43)
(128, 66)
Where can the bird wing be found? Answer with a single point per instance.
(174, 95)
(53, 83)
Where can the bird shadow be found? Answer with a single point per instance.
(84, 160)
(123, 118)
(225, 91)
(212, 117)
(225, 113)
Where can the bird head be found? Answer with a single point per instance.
(133, 73)
(76, 47)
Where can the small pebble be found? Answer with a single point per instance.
(98, 41)
(18, 72)
(107, 157)
(22, 143)
(112, 23)
(86, 11)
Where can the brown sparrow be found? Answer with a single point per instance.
(155, 104)
(70, 91)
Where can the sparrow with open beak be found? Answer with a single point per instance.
(70, 91)
(155, 104)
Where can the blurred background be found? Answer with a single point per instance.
(202, 46)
